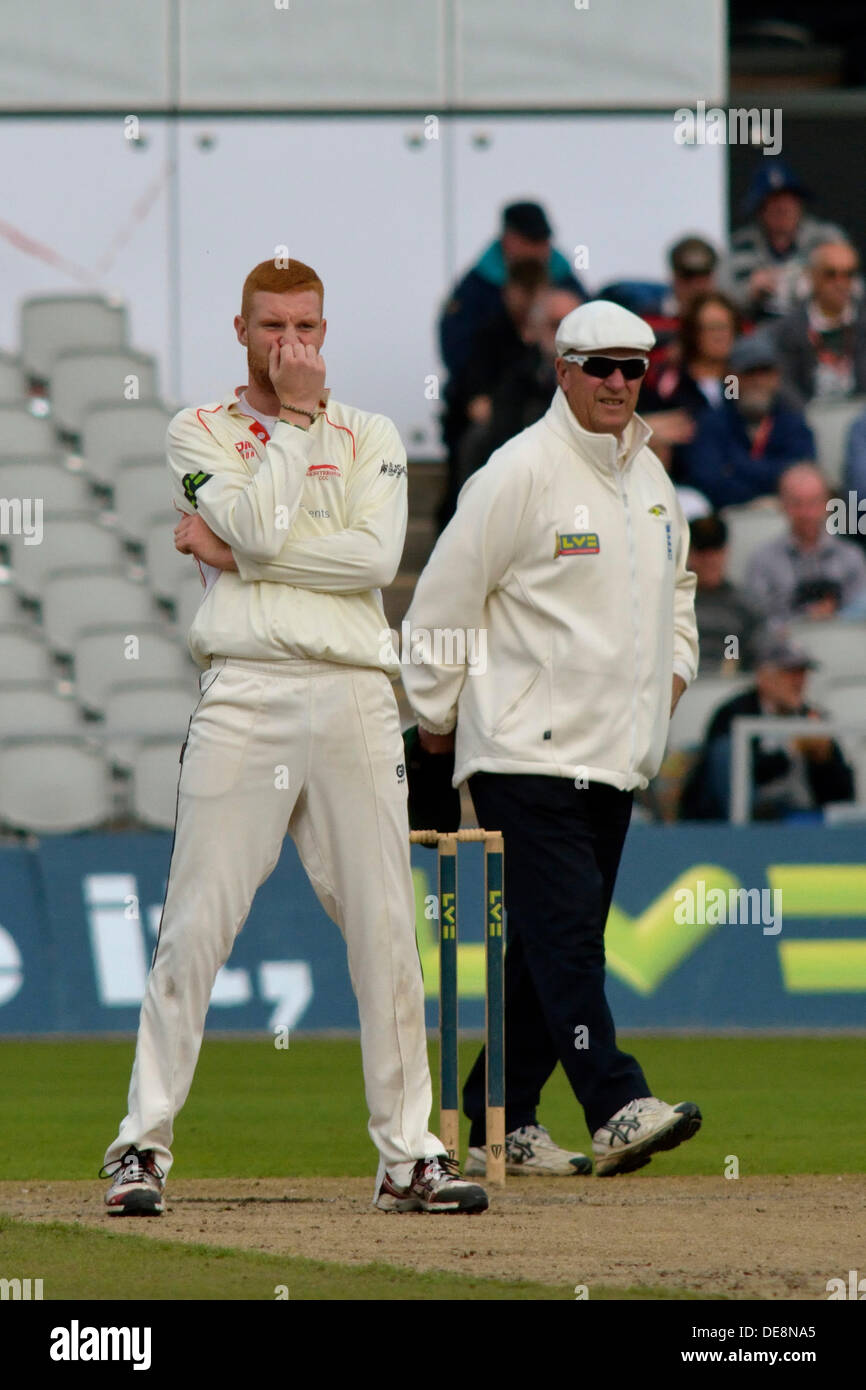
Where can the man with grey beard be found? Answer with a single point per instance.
(739, 451)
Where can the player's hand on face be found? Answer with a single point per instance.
(297, 372)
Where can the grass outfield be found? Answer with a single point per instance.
(77, 1265)
(782, 1105)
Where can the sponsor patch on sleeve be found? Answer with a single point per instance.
(577, 543)
(191, 484)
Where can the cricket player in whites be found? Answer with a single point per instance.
(296, 512)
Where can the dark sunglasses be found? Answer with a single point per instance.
(603, 367)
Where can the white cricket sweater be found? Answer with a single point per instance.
(316, 521)
(573, 569)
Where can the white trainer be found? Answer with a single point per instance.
(640, 1129)
(138, 1184)
(531, 1150)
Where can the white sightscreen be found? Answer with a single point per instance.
(350, 54)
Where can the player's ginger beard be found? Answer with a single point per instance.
(258, 368)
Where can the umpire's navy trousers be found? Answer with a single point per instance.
(562, 851)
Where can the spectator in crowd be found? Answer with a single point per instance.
(477, 300)
(726, 624)
(677, 392)
(822, 342)
(769, 254)
(788, 774)
(693, 263)
(807, 573)
(499, 342)
(739, 450)
(525, 389)
(526, 235)
(855, 475)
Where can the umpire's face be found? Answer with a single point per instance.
(602, 405)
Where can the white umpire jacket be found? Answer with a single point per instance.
(564, 573)
(316, 521)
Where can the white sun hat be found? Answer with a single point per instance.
(600, 325)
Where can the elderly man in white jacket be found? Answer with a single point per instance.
(567, 555)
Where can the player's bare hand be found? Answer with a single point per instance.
(193, 536)
(435, 743)
(678, 685)
(297, 372)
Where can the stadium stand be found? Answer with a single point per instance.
(46, 478)
(119, 429)
(13, 385)
(101, 661)
(53, 784)
(50, 324)
(141, 497)
(82, 377)
(692, 716)
(830, 422)
(750, 527)
(142, 709)
(25, 435)
(68, 539)
(154, 783)
(80, 596)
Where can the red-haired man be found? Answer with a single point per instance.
(296, 510)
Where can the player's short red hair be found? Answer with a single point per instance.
(280, 279)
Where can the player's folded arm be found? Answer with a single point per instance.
(366, 553)
(240, 509)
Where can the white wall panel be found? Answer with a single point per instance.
(87, 197)
(614, 53)
(620, 187)
(359, 200)
(315, 54)
(84, 55)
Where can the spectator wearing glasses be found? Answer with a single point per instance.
(822, 343)
(569, 550)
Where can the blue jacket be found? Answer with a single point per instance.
(478, 296)
(719, 463)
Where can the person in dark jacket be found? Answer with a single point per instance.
(739, 451)
(526, 235)
(788, 775)
(822, 343)
(727, 626)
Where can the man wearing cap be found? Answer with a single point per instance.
(478, 298)
(569, 550)
(769, 254)
(788, 775)
(739, 451)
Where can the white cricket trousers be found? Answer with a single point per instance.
(314, 748)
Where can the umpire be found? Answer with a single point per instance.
(568, 552)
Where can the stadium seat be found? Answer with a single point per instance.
(23, 654)
(115, 430)
(698, 705)
(135, 710)
(23, 434)
(68, 539)
(52, 785)
(52, 323)
(83, 377)
(142, 491)
(11, 612)
(839, 647)
(60, 490)
(81, 596)
(13, 387)
(34, 707)
(749, 528)
(168, 570)
(155, 774)
(830, 422)
(102, 660)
